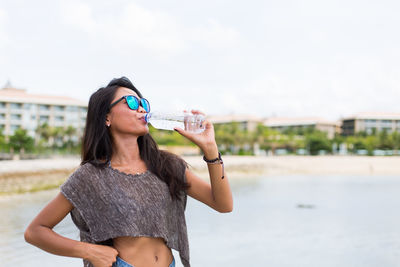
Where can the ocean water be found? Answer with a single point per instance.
(295, 220)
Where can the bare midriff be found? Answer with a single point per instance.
(143, 251)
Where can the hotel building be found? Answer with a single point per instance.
(245, 122)
(19, 109)
(371, 122)
(330, 127)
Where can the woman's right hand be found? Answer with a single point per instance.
(101, 256)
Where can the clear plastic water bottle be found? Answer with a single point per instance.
(168, 121)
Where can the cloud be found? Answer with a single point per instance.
(5, 40)
(79, 15)
(232, 103)
(215, 35)
(3, 34)
(340, 89)
(147, 29)
(135, 26)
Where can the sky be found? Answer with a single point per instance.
(266, 58)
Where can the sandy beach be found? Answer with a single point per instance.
(33, 175)
(282, 165)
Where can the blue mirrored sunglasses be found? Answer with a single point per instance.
(133, 102)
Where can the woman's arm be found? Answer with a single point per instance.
(218, 193)
(39, 233)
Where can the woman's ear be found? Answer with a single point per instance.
(108, 122)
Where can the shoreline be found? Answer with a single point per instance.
(312, 165)
(21, 176)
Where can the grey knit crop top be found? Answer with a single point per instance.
(109, 203)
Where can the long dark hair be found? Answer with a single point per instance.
(97, 141)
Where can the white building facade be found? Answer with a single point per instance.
(330, 127)
(19, 109)
(371, 122)
(245, 122)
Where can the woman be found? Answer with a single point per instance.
(128, 198)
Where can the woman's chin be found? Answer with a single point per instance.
(144, 131)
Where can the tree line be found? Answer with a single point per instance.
(48, 140)
(232, 138)
(235, 140)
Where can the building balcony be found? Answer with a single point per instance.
(44, 112)
(16, 111)
(58, 113)
(58, 124)
(16, 122)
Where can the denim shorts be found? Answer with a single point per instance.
(121, 263)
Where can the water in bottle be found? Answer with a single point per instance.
(168, 121)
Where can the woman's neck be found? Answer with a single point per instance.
(125, 151)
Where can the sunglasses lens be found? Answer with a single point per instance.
(132, 102)
(145, 104)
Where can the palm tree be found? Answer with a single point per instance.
(43, 132)
(69, 133)
(56, 137)
(2, 141)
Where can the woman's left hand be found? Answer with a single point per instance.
(205, 140)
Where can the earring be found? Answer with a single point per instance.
(108, 125)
